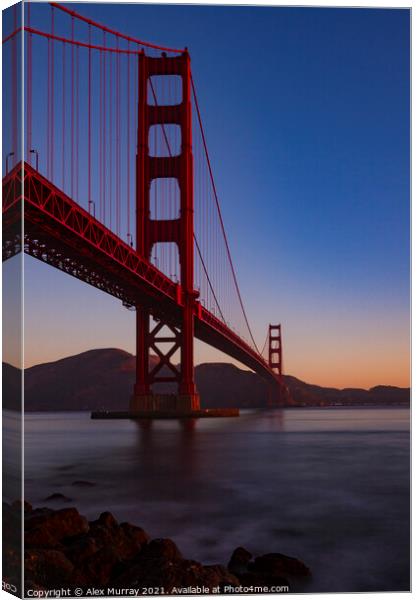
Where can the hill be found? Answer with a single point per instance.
(104, 378)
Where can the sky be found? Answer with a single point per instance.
(306, 114)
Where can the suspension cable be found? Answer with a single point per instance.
(220, 214)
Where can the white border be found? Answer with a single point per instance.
(307, 3)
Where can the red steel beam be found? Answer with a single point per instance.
(60, 232)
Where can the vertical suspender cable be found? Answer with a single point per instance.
(100, 135)
(89, 119)
(52, 149)
(110, 136)
(72, 108)
(63, 114)
(48, 114)
(13, 143)
(128, 145)
(77, 124)
(104, 129)
(29, 91)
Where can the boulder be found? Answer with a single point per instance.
(56, 497)
(125, 539)
(17, 505)
(136, 535)
(275, 564)
(46, 528)
(216, 575)
(80, 548)
(161, 549)
(107, 520)
(160, 564)
(239, 561)
(97, 569)
(62, 548)
(49, 568)
(262, 579)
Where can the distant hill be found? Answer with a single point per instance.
(11, 387)
(104, 379)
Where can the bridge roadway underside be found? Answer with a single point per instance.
(61, 233)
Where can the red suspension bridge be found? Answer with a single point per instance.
(114, 180)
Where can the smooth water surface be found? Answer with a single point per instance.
(329, 486)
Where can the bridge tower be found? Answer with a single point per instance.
(180, 231)
(275, 364)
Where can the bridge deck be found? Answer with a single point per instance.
(58, 231)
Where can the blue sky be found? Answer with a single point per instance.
(306, 113)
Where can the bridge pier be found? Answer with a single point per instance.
(180, 230)
(155, 403)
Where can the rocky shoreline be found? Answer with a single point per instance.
(64, 550)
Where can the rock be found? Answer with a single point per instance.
(280, 565)
(48, 568)
(46, 528)
(33, 585)
(127, 540)
(164, 549)
(97, 570)
(239, 560)
(159, 572)
(57, 496)
(159, 564)
(38, 512)
(136, 535)
(17, 505)
(216, 575)
(106, 519)
(62, 548)
(12, 526)
(262, 579)
(80, 548)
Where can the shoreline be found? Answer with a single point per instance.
(63, 549)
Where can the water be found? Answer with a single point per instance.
(329, 486)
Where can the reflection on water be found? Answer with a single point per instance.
(330, 486)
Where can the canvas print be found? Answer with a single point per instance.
(206, 326)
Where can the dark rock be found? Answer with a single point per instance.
(40, 538)
(98, 568)
(127, 540)
(12, 526)
(136, 535)
(106, 519)
(48, 568)
(217, 575)
(38, 512)
(46, 528)
(17, 505)
(148, 573)
(11, 560)
(33, 585)
(239, 561)
(159, 564)
(280, 565)
(158, 572)
(80, 548)
(262, 579)
(163, 548)
(62, 548)
(57, 496)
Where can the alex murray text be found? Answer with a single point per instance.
(156, 591)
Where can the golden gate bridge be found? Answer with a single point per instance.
(115, 186)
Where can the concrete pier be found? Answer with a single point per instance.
(203, 413)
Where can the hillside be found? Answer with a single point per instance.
(103, 379)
